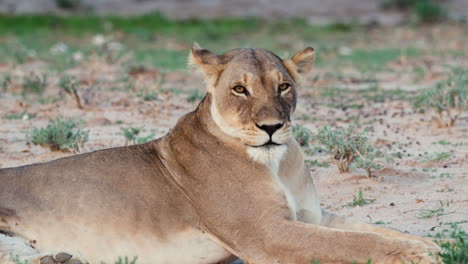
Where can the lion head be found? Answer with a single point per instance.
(253, 92)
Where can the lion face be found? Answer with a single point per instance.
(253, 92)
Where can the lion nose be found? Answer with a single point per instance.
(270, 129)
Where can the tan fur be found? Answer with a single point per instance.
(217, 185)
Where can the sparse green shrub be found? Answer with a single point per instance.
(68, 4)
(358, 200)
(150, 96)
(70, 86)
(131, 135)
(454, 245)
(397, 4)
(438, 156)
(22, 115)
(366, 161)
(147, 94)
(430, 213)
(17, 260)
(346, 146)
(195, 95)
(34, 84)
(448, 99)
(126, 260)
(5, 82)
(142, 140)
(316, 163)
(302, 134)
(424, 10)
(428, 11)
(61, 134)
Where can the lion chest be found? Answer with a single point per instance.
(271, 157)
(287, 193)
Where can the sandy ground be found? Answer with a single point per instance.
(402, 191)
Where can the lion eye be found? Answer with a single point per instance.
(240, 89)
(283, 87)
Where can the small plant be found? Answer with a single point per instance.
(142, 140)
(150, 96)
(195, 95)
(438, 156)
(5, 83)
(428, 11)
(316, 163)
(448, 99)
(424, 10)
(454, 245)
(126, 260)
(347, 146)
(302, 134)
(17, 260)
(22, 115)
(358, 200)
(131, 135)
(34, 84)
(68, 4)
(69, 86)
(430, 213)
(446, 190)
(61, 134)
(366, 161)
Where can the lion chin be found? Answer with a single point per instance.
(268, 154)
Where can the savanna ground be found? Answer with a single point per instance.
(132, 73)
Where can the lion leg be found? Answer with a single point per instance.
(16, 249)
(340, 222)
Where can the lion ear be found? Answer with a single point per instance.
(208, 62)
(301, 63)
(201, 57)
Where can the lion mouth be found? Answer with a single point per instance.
(269, 144)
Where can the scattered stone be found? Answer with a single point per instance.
(62, 257)
(48, 260)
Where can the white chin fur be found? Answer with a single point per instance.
(268, 155)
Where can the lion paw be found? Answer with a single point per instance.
(61, 258)
(411, 252)
(428, 241)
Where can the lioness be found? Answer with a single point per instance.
(228, 180)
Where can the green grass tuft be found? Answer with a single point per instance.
(346, 146)
(131, 135)
(448, 99)
(302, 134)
(359, 200)
(17, 260)
(61, 134)
(34, 84)
(454, 245)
